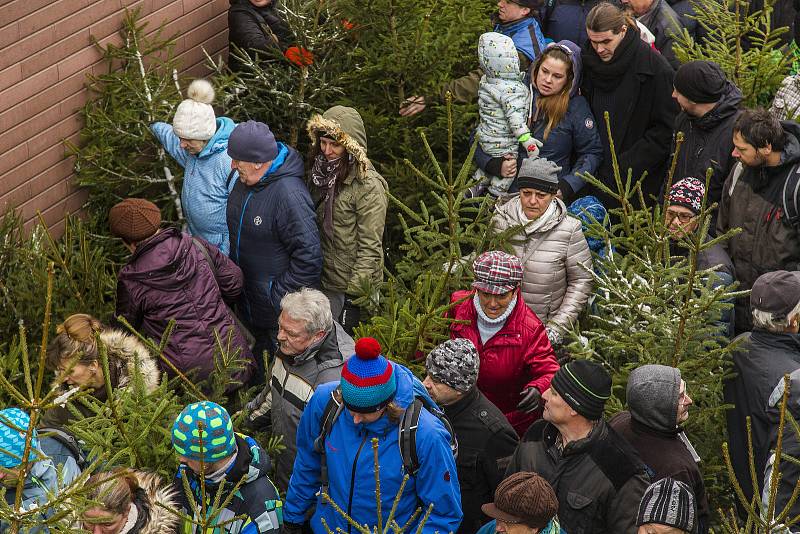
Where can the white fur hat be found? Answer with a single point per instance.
(195, 118)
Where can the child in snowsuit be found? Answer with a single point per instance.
(504, 102)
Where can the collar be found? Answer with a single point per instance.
(457, 408)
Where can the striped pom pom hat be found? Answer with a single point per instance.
(218, 440)
(368, 381)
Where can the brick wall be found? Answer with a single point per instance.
(46, 50)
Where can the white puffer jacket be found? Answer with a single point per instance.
(556, 263)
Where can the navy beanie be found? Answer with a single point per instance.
(253, 142)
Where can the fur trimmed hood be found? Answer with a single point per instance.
(123, 351)
(160, 521)
(347, 127)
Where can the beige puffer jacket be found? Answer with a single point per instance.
(556, 279)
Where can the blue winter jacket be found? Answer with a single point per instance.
(204, 193)
(574, 143)
(350, 468)
(274, 237)
(521, 32)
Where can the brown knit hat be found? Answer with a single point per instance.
(134, 219)
(523, 498)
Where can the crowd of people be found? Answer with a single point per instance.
(500, 435)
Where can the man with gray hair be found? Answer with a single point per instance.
(771, 350)
(486, 440)
(311, 351)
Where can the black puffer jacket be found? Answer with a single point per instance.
(599, 480)
(753, 202)
(486, 441)
(665, 25)
(255, 28)
(708, 142)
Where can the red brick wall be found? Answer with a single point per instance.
(46, 50)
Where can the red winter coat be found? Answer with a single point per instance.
(517, 357)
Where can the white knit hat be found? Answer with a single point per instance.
(195, 118)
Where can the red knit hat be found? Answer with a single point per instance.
(134, 219)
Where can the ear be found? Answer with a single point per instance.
(767, 150)
(527, 11)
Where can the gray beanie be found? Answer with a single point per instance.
(454, 363)
(668, 502)
(652, 393)
(538, 173)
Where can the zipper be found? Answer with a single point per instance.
(353, 480)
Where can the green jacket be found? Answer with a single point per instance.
(355, 250)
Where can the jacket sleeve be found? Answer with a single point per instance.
(245, 31)
(300, 236)
(437, 479)
(170, 142)
(128, 307)
(228, 275)
(724, 208)
(585, 145)
(540, 360)
(497, 456)
(464, 89)
(515, 109)
(579, 281)
(370, 207)
(624, 506)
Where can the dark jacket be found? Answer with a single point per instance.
(168, 277)
(708, 142)
(274, 238)
(566, 19)
(762, 360)
(641, 108)
(256, 498)
(599, 480)
(486, 441)
(254, 28)
(665, 25)
(767, 242)
(573, 144)
(686, 12)
(789, 471)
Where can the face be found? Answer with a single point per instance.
(747, 153)
(193, 146)
(606, 43)
(508, 11)
(686, 105)
(261, 3)
(331, 149)
(684, 401)
(441, 393)
(293, 337)
(535, 202)
(494, 305)
(250, 173)
(514, 528)
(197, 467)
(80, 374)
(101, 521)
(552, 76)
(680, 220)
(366, 418)
(556, 410)
(640, 7)
(653, 528)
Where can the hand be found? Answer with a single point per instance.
(508, 169)
(530, 400)
(554, 336)
(292, 528)
(532, 145)
(411, 106)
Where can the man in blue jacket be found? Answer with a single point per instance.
(273, 230)
(337, 457)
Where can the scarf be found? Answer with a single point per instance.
(217, 476)
(607, 76)
(534, 225)
(133, 516)
(488, 327)
(323, 175)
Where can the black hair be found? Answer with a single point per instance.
(760, 128)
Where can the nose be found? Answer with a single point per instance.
(427, 383)
(674, 95)
(689, 400)
(357, 419)
(736, 153)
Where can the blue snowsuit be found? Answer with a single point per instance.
(350, 468)
(204, 193)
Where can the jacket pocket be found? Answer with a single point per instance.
(581, 514)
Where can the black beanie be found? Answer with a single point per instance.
(585, 386)
(702, 82)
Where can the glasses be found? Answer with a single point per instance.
(680, 215)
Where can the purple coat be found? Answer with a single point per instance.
(168, 277)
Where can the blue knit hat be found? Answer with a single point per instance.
(218, 438)
(13, 428)
(253, 142)
(368, 381)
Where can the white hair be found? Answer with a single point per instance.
(764, 320)
(311, 306)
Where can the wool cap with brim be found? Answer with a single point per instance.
(368, 381)
(253, 142)
(497, 272)
(668, 502)
(777, 292)
(134, 219)
(203, 431)
(702, 82)
(585, 386)
(523, 498)
(538, 173)
(14, 425)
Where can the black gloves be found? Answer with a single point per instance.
(530, 400)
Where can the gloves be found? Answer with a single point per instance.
(292, 528)
(531, 145)
(530, 400)
(554, 336)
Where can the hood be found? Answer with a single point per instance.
(130, 353)
(508, 210)
(163, 261)
(791, 150)
(160, 520)
(653, 396)
(219, 141)
(406, 390)
(498, 56)
(287, 163)
(574, 53)
(347, 127)
(727, 106)
(793, 402)
(589, 210)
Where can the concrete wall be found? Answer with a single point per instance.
(46, 50)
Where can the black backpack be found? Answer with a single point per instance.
(789, 198)
(59, 444)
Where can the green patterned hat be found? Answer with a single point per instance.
(210, 421)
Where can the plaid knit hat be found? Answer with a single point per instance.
(13, 428)
(497, 272)
(668, 502)
(134, 219)
(523, 498)
(585, 386)
(218, 439)
(689, 193)
(368, 380)
(454, 363)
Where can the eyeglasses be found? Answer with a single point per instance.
(682, 216)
